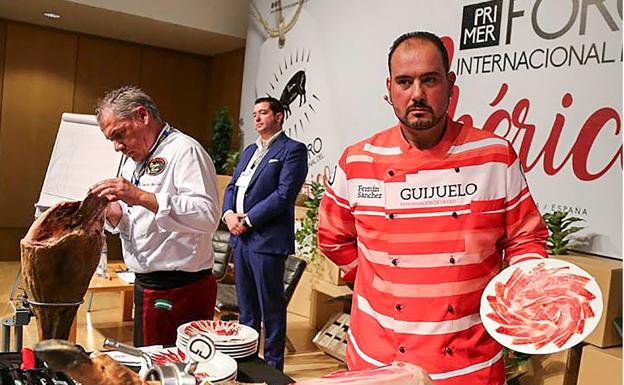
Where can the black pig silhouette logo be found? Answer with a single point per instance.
(295, 87)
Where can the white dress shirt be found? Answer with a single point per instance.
(179, 235)
(242, 183)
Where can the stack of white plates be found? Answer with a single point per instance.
(231, 338)
(220, 368)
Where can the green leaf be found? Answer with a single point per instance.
(221, 139)
(306, 235)
(559, 229)
(571, 231)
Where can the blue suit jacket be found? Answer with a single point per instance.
(270, 197)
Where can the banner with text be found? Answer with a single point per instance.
(545, 75)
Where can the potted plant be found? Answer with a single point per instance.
(560, 228)
(306, 239)
(233, 157)
(305, 236)
(221, 139)
(516, 365)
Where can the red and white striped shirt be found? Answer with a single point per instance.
(426, 230)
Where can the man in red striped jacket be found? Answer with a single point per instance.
(425, 212)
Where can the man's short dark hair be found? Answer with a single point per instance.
(274, 104)
(422, 35)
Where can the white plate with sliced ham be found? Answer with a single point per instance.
(221, 332)
(541, 306)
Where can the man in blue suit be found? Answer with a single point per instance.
(259, 210)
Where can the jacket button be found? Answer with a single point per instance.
(402, 349)
(452, 260)
(398, 306)
(395, 262)
(450, 308)
(391, 215)
(448, 350)
(454, 215)
(456, 169)
(391, 172)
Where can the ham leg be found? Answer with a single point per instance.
(62, 356)
(59, 254)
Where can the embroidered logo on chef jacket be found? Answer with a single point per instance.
(156, 166)
(164, 304)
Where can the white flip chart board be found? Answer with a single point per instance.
(81, 157)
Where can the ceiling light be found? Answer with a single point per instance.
(52, 15)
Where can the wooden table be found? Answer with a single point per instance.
(115, 284)
(111, 284)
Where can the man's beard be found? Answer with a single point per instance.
(422, 124)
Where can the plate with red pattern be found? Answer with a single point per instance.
(220, 368)
(223, 333)
(541, 306)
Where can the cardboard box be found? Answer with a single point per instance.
(553, 369)
(300, 303)
(608, 274)
(600, 366)
(325, 270)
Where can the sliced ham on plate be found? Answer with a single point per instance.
(541, 306)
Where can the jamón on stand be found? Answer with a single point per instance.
(59, 254)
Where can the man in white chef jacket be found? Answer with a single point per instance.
(165, 208)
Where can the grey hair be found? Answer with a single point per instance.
(124, 101)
